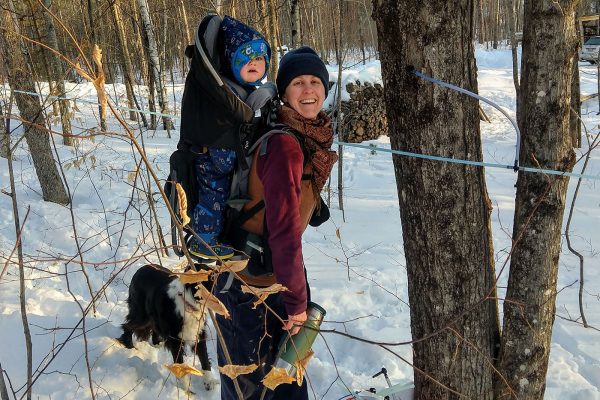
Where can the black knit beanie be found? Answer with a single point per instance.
(302, 61)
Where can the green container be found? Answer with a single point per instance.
(292, 349)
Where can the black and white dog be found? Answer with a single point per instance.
(162, 307)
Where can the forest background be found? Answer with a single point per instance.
(142, 43)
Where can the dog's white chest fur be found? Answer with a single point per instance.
(187, 308)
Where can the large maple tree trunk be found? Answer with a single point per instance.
(549, 45)
(445, 210)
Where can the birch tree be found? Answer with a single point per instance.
(152, 50)
(295, 23)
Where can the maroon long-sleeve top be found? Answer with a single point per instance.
(280, 171)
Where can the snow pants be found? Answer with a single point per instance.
(213, 173)
(244, 334)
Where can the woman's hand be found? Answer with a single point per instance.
(294, 322)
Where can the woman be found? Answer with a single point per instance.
(252, 336)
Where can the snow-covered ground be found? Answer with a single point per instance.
(356, 266)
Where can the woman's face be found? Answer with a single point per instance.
(306, 95)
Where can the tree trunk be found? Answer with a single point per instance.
(139, 44)
(39, 54)
(575, 127)
(444, 208)
(295, 23)
(271, 32)
(152, 100)
(90, 9)
(3, 390)
(321, 37)
(338, 105)
(126, 59)
(186, 26)
(36, 133)
(58, 74)
(482, 30)
(4, 135)
(514, 44)
(543, 114)
(152, 51)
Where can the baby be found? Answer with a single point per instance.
(245, 56)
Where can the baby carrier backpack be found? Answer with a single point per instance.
(216, 112)
(214, 116)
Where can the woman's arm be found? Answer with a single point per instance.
(280, 171)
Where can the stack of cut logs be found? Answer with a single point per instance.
(364, 115)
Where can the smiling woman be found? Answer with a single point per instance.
(292, 166)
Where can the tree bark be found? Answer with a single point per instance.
(575, 127)
(3, 389)
(186, 26)
(514, 44)
(543, 112)
(4, 135)
(92, 22)
(295, 23)
(58, 74)
(444, 208)
(271, 32)
(36, 133)
(152, 51)
(128, 76)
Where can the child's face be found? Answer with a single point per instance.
(253, 70)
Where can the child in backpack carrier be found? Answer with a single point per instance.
(246, 55)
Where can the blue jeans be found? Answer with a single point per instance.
(247, 343)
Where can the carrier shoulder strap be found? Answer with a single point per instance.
(251, 216)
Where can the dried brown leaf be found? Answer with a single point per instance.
(181, 370)
(132, 175)
(276, 377)
(301, 367)
(232, 266)
(182, 202)
(263, 293)
(194, 276)
(233, 371)
(99, 81)
(211, 302)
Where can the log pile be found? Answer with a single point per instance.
(364, 115)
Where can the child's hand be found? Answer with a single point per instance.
(294, 323)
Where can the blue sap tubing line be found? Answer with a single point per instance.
(398, 152)
(466, 162)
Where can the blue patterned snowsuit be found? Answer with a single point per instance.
(213, 171)
(241, 43)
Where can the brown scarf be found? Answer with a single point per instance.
(318, 138)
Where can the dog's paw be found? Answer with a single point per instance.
(209, 381)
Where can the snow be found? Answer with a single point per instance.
(355, 265)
